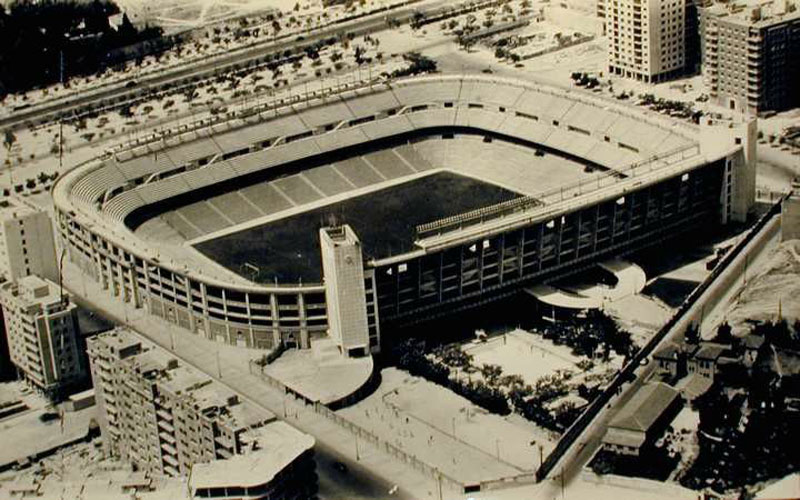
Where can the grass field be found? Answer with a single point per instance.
(287, 250)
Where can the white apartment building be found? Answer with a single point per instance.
(43, 334)
(26, 241)
(751, 51)
(646, 38)
(166, 418)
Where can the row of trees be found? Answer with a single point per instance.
(410, 355)
(748, 428)
(597, 334)
(419, 64)
(43, 41)
(489, 388)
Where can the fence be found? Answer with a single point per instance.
(628, 371)
(361, 433)
(764, 194)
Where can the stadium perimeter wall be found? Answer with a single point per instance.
(262, 316)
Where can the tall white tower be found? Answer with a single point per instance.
(343, 269)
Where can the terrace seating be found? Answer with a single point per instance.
(235, 207)
(265, 197)
(180, 224)
(388, 127)
(343, 138)
(549, 117)
(193, 151)
(204, 217)
(297, 189)
(410, 155)
(486, 93)
(332, 112)
(440, 91)
(369, 104)
(327, 180)
(122, 205)
(94, 184)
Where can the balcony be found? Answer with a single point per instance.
(170, 459)
(166, 426)
(165, 415)
(167, 437)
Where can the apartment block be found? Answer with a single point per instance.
(43, 334)
(751, 55)
(26, 241)
(167, 418)
(646, 38)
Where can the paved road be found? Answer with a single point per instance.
(216, 64)
(370, 475)
(352, 483)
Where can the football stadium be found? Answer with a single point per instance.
(391, 203)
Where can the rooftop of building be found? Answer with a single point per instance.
(645, 407)
(43, 290)
(217, 401)
(321, 373)
(110, 485)
(711, 351)
(341, 234)
(207, 395)
(181, 379)
(278, 445)
(670, 351)
(753, 341)
(119, 338)
(32, 290)
(756, 13)
(694, 386)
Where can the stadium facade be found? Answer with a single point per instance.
(593, 180)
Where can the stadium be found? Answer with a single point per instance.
(390, 203)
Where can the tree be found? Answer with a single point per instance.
(491, 373)
(724, 333)
(692, 334)
(8, 140)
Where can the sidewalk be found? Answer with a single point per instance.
(229, 365)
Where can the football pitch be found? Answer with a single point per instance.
(287, 251)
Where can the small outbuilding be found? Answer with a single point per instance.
(643, 418)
